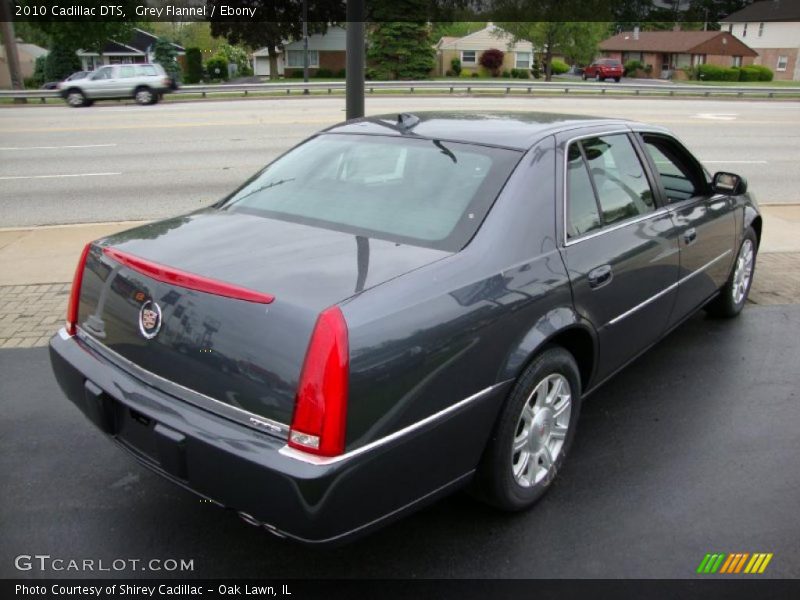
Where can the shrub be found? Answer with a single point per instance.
(217, 68)
(167, 57)
(492, 60)
(293, 73)
(341, 73)
(506, 74)
(632, 66)
(715, 73)
(38, 70)
(475, 74)
(764, 73)
(523, 74)
(558, 67)
(455, 65)
(61, 62)
(536, 69)
(194, 66)
(326, 73)
(748, 74)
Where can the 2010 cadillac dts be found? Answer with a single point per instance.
(399, 307)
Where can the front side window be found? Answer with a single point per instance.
(127, 72)
(422, 192)
(104, 73)
(619, 178)
(294, 59)
(523, 60)
(468, 57)
(681, 177)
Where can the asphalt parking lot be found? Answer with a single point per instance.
(692, 449)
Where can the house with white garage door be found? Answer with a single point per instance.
(326, 51)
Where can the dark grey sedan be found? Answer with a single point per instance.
(399, 307)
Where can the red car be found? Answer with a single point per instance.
(604, 68)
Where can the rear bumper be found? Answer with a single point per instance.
(240, 468)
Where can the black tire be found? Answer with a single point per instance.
(75, 98)
(728, 303)
(584, 76)
(495, 481)
(617, 79)
(145, 96)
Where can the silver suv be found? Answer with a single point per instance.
(145, 83)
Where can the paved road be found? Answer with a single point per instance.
(693, 449)
(125, 162)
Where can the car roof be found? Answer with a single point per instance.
(516, 130)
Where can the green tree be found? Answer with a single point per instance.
(89, 34)
(167, 57)
(194, 65)
(400, 50)
(237, 56)
(60, 63)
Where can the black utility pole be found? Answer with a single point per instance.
(305, 44)
(355, 59)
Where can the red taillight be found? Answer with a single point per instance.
(320, 410)
(75, 294)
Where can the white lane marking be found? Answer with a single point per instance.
(58, 147)
(717, 116)
(56, 176)
(736, 162)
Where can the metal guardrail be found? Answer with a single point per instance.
(467, 85)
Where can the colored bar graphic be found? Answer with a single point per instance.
(734, 562)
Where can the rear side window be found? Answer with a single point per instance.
(583, 214)
(613, 189)
(146, 70)
(423, 192)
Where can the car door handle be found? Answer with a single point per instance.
(690, 235)
(600, 276)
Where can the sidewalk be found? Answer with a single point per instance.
(37, 265)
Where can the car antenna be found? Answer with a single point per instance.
(407, 121)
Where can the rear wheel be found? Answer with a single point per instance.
(533, 433)
(617, 79)
(733, 295)
(144, 95)
(75, 98)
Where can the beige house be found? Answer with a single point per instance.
(771, 28)
(468, 50)
(28, 53)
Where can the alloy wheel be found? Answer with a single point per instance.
(743, 272)
(541, 431)
(144, 96)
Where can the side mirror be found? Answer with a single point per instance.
(729, 184)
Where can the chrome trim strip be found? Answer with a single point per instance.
(658, 213)
(666, 290)
(193, 397)
(313, 459)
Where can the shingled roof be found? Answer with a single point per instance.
(679, 42)
(766, 10)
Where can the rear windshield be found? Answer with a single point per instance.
(610, 62)
(422, 192)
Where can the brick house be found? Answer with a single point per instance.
(670, 51)
(772, 28)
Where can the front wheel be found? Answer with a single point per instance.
(75, 98)
(533, 433)
(144, 96)
(733, 295)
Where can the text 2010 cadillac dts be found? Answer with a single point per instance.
(399, 307)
